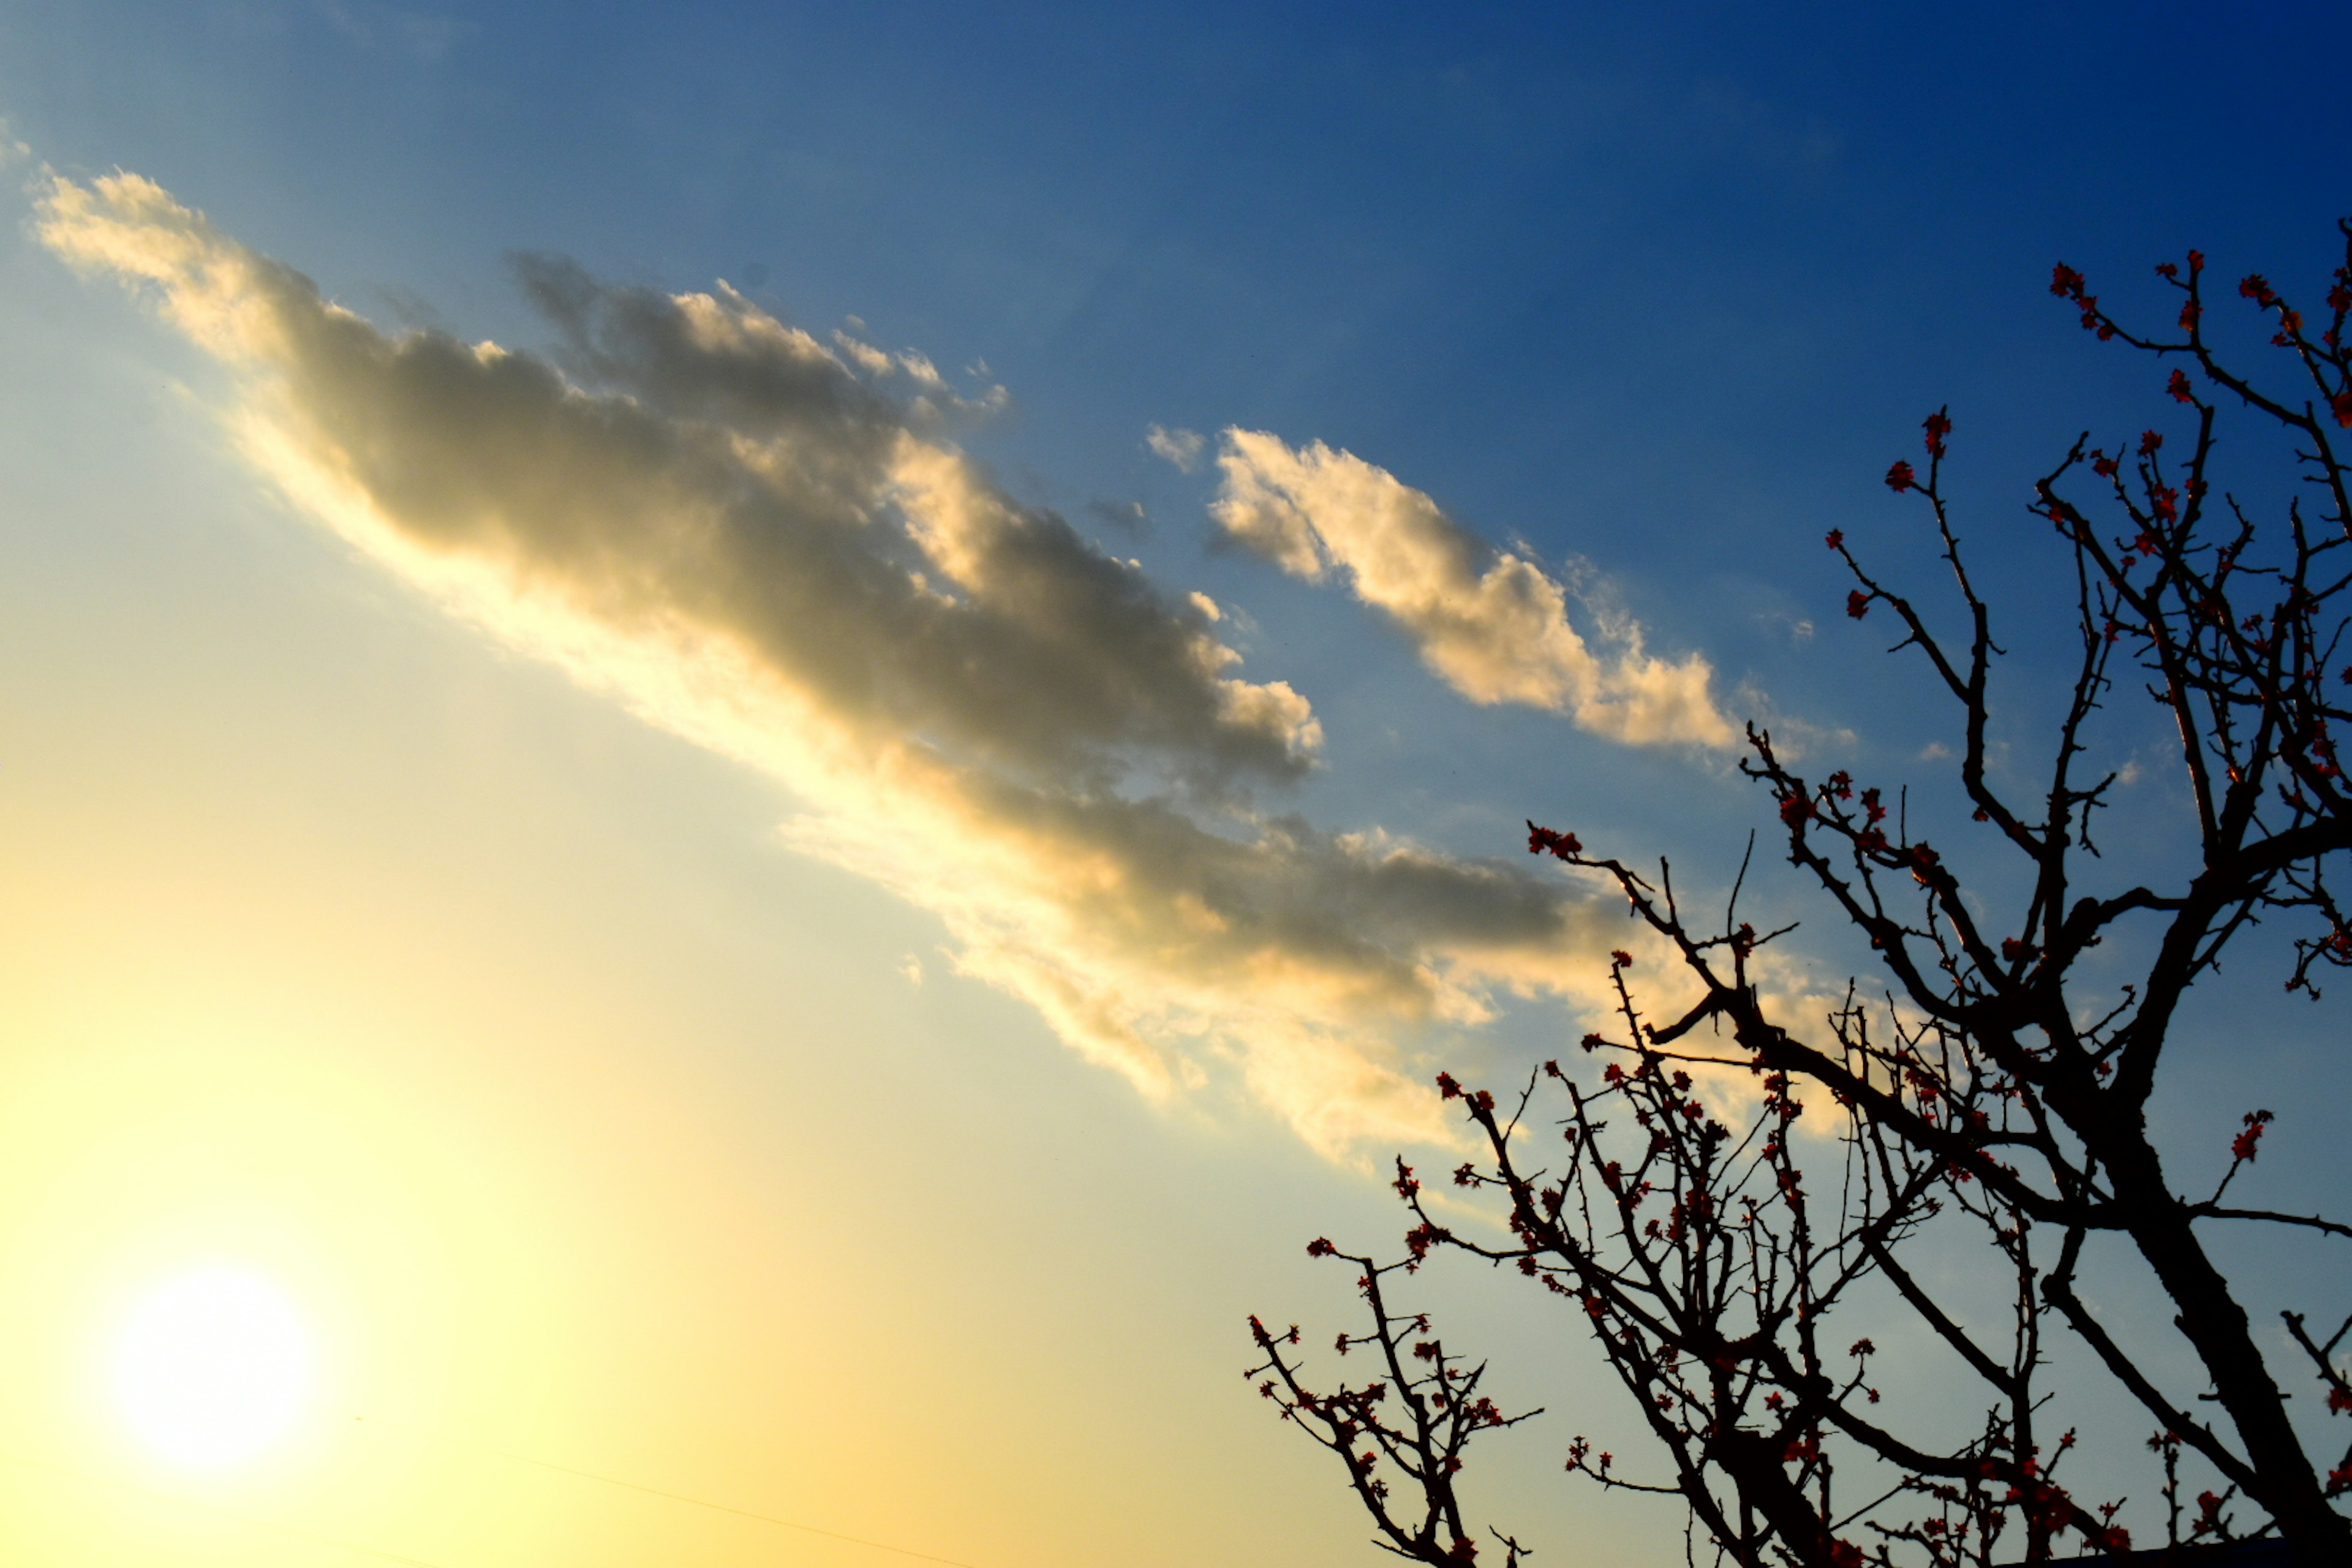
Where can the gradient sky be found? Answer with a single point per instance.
(796, 886)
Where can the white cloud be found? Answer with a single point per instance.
(734, 529)
(866, 356)
(917, 367)
(1490, 623)
(1182, 448)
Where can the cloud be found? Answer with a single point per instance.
(1182, 448)
(877, 362)
(770, 546)
(1490, 623)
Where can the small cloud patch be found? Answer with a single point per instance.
(1182, 448)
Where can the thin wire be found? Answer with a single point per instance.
(657, 1492)
(224, 1513)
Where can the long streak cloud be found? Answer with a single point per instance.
(1490, 623)
(767, 545)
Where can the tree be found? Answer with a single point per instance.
(1991, 1092)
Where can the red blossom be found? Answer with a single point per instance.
(2255, 287)
(1619, 959)
(2178, 387)
(2149, 440)
(1937, 424)
(1447, 1087)
(1543, 840)
(1837, 539)
(2342, 403)
(2245, 1145)
(2065, 282)
(1796, 810)
(1857, 604)
(1320, 1247)
(1899, 478)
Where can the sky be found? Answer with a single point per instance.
(769, 739)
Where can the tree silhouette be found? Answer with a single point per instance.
(1993, 1091)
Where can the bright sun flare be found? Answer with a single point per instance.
(212, 1367)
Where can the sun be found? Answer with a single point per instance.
(212, 1367)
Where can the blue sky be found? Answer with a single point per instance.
(1646, 300)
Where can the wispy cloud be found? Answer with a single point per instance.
(770, 546)
(1492, 625)
(426, 36)
(1182, 448)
